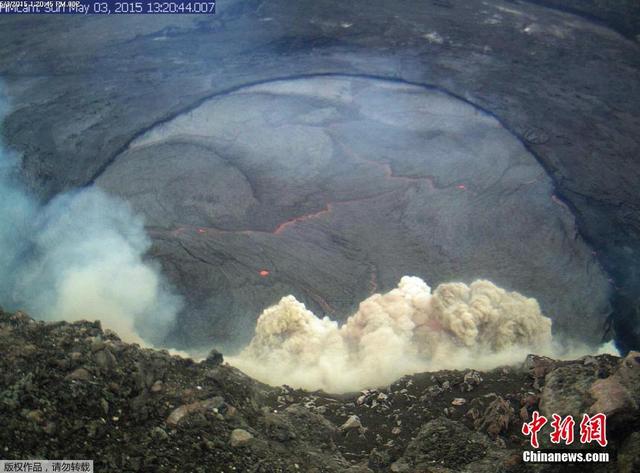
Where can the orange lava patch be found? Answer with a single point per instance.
(264, 273)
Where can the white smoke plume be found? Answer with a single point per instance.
(407, 330)
(79, 256)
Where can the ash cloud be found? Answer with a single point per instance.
(407, 330)
(79, 256)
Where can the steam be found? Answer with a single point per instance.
(407, 330)
(80, 256)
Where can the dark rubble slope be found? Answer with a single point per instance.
(73, 390)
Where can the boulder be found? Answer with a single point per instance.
(566, 391)
(214, 358)
(105, 359)
(240, 438)
(352, 423)
(445, 442)
(178, 414)
(618, 396)
(81, 374)
(496, 418)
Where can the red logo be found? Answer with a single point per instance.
(562, 429)
(532, 428)
(592, 429)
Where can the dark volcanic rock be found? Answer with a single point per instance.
(618, 395)
(215, 419)
(214, 358)
(446, 442)
(496, 418)
(567, 88)
(629, 457)
(566, 390)
(124, 426)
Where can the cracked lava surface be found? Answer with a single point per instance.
(330, 188)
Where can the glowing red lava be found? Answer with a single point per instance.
(264, 273)
(301, 218)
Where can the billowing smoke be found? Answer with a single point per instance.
(80, 256)
(407, 330)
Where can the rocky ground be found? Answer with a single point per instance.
(76, 391)
(560, 81)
